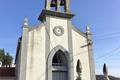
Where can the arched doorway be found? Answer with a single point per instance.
(67, 69)
(59, 66)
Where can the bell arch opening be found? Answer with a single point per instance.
(59, 66)
(58, 5)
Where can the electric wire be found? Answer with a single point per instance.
(107, 34)
(108, 53)
(107, 38)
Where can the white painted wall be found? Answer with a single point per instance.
(78, 41)
(36, 54)
(82, 54)
(58, 40)
(36, 63)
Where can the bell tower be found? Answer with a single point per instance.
(54, 8)
(57, 4)
(56, 17)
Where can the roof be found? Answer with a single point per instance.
(18, 48)
(7, 72)
(54, 13)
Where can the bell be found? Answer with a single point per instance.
(53, 3)
(62, 2)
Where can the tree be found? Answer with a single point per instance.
(2, 56)
(6, 59)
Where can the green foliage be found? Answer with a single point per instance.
(2, 55)
(6, 59)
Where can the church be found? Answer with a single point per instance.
(54, 49)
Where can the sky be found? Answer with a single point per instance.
(103, 17)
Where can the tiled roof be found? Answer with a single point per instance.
(7, 72)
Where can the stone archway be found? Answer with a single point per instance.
(68, 56)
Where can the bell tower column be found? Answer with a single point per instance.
(47, 4)
(67, 6)
(58, 6)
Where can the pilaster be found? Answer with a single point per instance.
(24, 47)
(90, 53)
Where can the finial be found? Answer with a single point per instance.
(25, 23)
(105, 72)
(87, 29)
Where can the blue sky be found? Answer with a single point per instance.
(103, 16)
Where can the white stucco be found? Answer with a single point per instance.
(58, 40)
(80, 51)
(36, 54)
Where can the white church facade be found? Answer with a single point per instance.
(54, 49)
